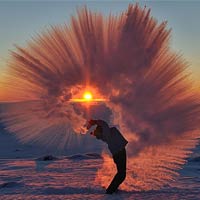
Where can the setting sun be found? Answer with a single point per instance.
(88, 96)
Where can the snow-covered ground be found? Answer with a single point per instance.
(24, 174)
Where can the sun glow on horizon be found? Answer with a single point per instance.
(88, 96)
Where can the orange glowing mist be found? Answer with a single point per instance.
(133, 80)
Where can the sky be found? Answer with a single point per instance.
(21, 20)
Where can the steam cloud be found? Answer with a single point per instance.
(125, 58)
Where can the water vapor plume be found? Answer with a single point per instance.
(123, 59)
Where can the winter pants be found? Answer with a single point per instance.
(120, 161)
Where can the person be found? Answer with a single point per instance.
(116, 144)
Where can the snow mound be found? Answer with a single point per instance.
(84, 156)
(9, 184)
(47, 158)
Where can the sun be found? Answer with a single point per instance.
(87, 96)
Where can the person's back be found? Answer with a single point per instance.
(117, 141)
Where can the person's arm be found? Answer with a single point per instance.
(104, 127)
(91, 123)
(105, 130)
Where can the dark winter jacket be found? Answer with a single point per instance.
(112, 137)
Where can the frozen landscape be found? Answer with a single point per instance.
(118, 68)
(26, 172)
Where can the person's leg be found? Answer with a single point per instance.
(120, 161)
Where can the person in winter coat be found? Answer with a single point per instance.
(116, 144)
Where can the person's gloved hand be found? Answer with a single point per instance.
(90, 123)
